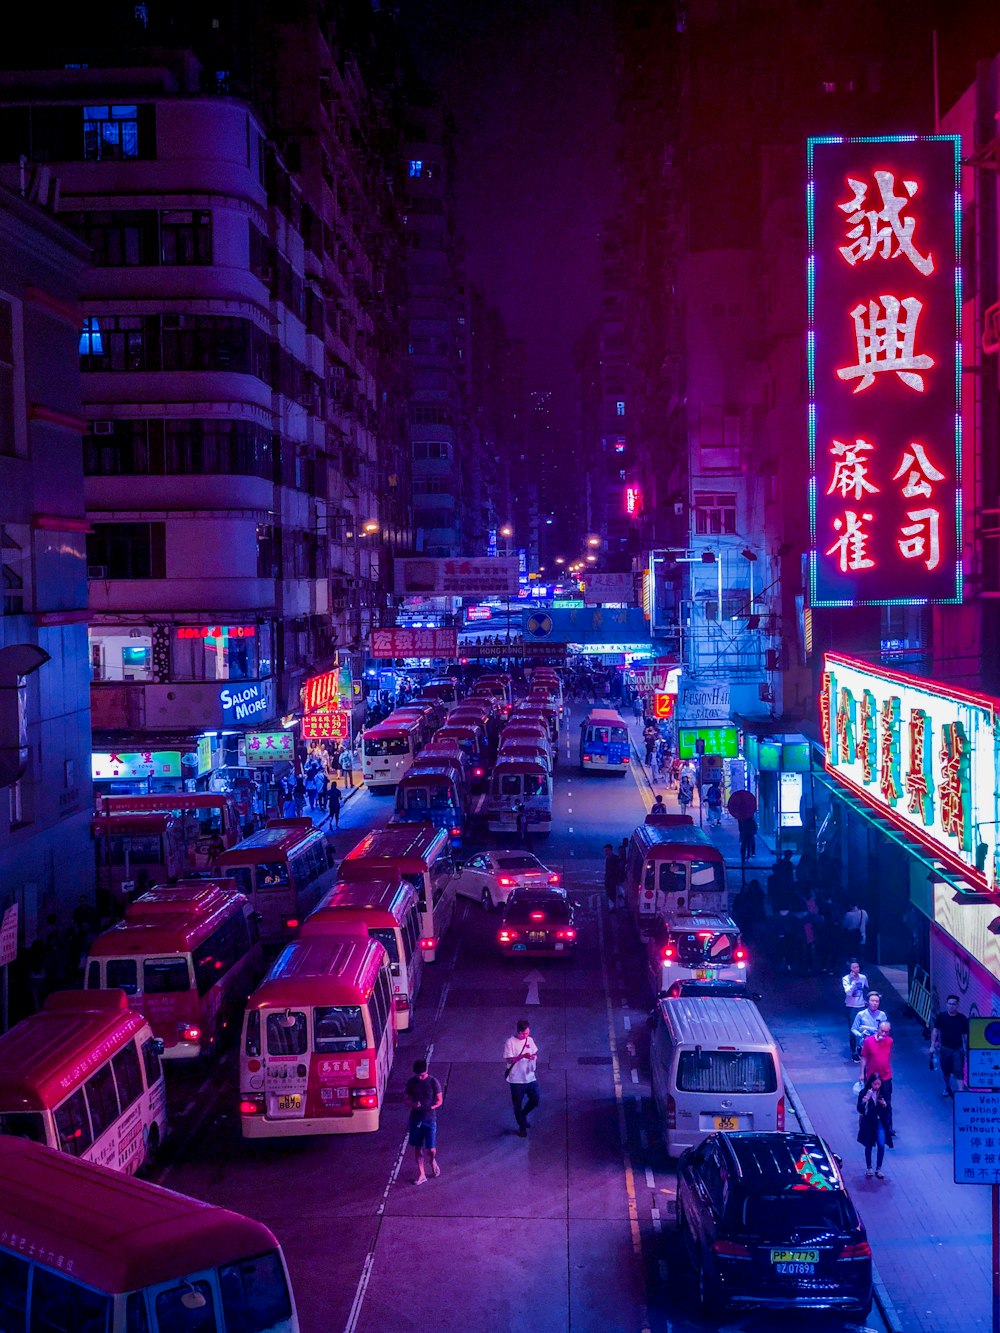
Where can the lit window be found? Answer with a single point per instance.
(416, 167)
(90, 337)
(110, 133)
(620, 407)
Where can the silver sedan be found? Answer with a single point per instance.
(491, 877)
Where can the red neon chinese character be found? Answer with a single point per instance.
(850, 471)
(867, 734)
(952, 793)
(886, 343)
(876, 229)
(921, 472)
(917, 785)
(852, 544)
(920, 539)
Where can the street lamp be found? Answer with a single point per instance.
(593, 541)
(592, 559)
(507, 532)
(560, 560)
(370, 527)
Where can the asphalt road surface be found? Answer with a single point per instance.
(569, 1229)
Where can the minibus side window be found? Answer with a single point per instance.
(418, 881)
(151, 1061)
(440, 878)
(510, 784)
(57, 1304)
(102, 1099)
(241, 941)
(338, 1028)
(241, 876)
(173, 1313)
(284, 1037)
(165, 976)
(94, 976)
(128, 1076)
(124, 973)
(411, 932)
(254, 1293)
(379, 1012)
(214, 957)
(136, 1318)
(13, 1290)
(271, 874)
(251, 1045)
(73, 1124)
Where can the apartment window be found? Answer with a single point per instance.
(714, 513)
(121, 652)
(620, 407)
(136, 237)
(17, 804)
(428, 486)
(619, 445)
(127, 551)
(431, 449)
(431, 415)
(114, 342)
(416, 167)
(185, 236)
(229, 655)
(110, 133)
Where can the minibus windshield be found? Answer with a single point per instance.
(388, 745)
(163, 975)
(726, 1071)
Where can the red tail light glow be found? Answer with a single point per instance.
(456, 833)
(667, 952)
(781, 1113)
(671, 1112)
(506, 881)
(365, 1099)
(402, 1002)
(859, 1250)
(568, 934)
(555, 878)
(477, 772)
(292, 923)
(250, 1108)
(506, 936)
(739, 954)
(625, 760)
(537, 916)
(191, 1033)
(730, 1249)
(429, 942)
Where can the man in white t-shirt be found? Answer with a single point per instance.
(520, 1056)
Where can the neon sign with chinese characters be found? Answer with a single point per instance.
(633, 500)
(884, 360)
(924, 755)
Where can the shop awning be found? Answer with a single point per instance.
(954, 878)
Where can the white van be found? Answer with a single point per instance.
(715, 1066)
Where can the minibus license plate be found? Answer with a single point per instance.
(794, 1261)
(729, 1122)
(290, 1101)
(598, 758)
(705, 973)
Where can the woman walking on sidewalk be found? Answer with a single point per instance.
(874, 1124)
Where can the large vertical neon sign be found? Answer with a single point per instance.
(884, 362)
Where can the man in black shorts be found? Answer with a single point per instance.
(423, 1096)
(950, 1038)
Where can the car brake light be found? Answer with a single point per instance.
(506, 882)
(704, 934)
(429, 942)
(292, 923)
(505, 936)
(859, 1249)
(537, 916)
(456, 833)
(568, 934)
(780, 1122)
(668, 952)
(730, 1249)
(739, 954)
(190, 1033)
(402, 1002)
(625, 760)
(671, 1112)
(477, 772)
(555, 878)
(365, 1099)
(251, 1107)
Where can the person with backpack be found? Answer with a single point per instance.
(713, 799)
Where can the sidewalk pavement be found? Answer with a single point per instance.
(930, 1238)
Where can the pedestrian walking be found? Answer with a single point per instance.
(658, 808)
(676, 765)
(855, 985)
(521, 819)
(650, 736)
(713, 799)
(333, 803)
(299, 794)
(288, 810)
(748, 839)
(685, 792)
(423, 1095)
(637, 707)
(874, 1123)
(317, 788)
(521, 1061)
(347, 766)
(876, 1058)
(866, 1021)
(855, 927)
(611, 874)
(950, 1042)
(781, 884)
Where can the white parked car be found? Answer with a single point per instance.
(491, 877)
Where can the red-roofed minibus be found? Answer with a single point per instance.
(83, 1075)
(207, 817)
(284, 870)
(389, 910)
(85, 1250)
(139, 847)
(389, 748)
(420, 854)
(319, 1037)
(187, 956)
(470, 737)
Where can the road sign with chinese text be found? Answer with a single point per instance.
(984, 1053)
(883, 346)
(977, 1138)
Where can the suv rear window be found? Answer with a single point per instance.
(557, 910)
(727, 1071)
(699, 946)
(777, 1215)
(518, 863)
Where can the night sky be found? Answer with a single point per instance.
(531, 88)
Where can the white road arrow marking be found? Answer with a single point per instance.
(534, 978)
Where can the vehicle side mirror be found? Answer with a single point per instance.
(256, 917)
(158, 1045)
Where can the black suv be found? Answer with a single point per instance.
(537, 921)
(767, 1220)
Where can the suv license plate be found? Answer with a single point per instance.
(795, 1270)
(807, 1257)
(705, 973)
(730, 1122)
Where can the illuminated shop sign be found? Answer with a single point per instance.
(269, 747)
(924, 755)
(216, 631)
(633, 499)
(249, 702)
(884, 361)
(327, 724)
(722, 741)
(145, 764)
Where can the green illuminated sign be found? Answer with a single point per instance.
(722, 741)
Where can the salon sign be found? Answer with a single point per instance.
(920, 753)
